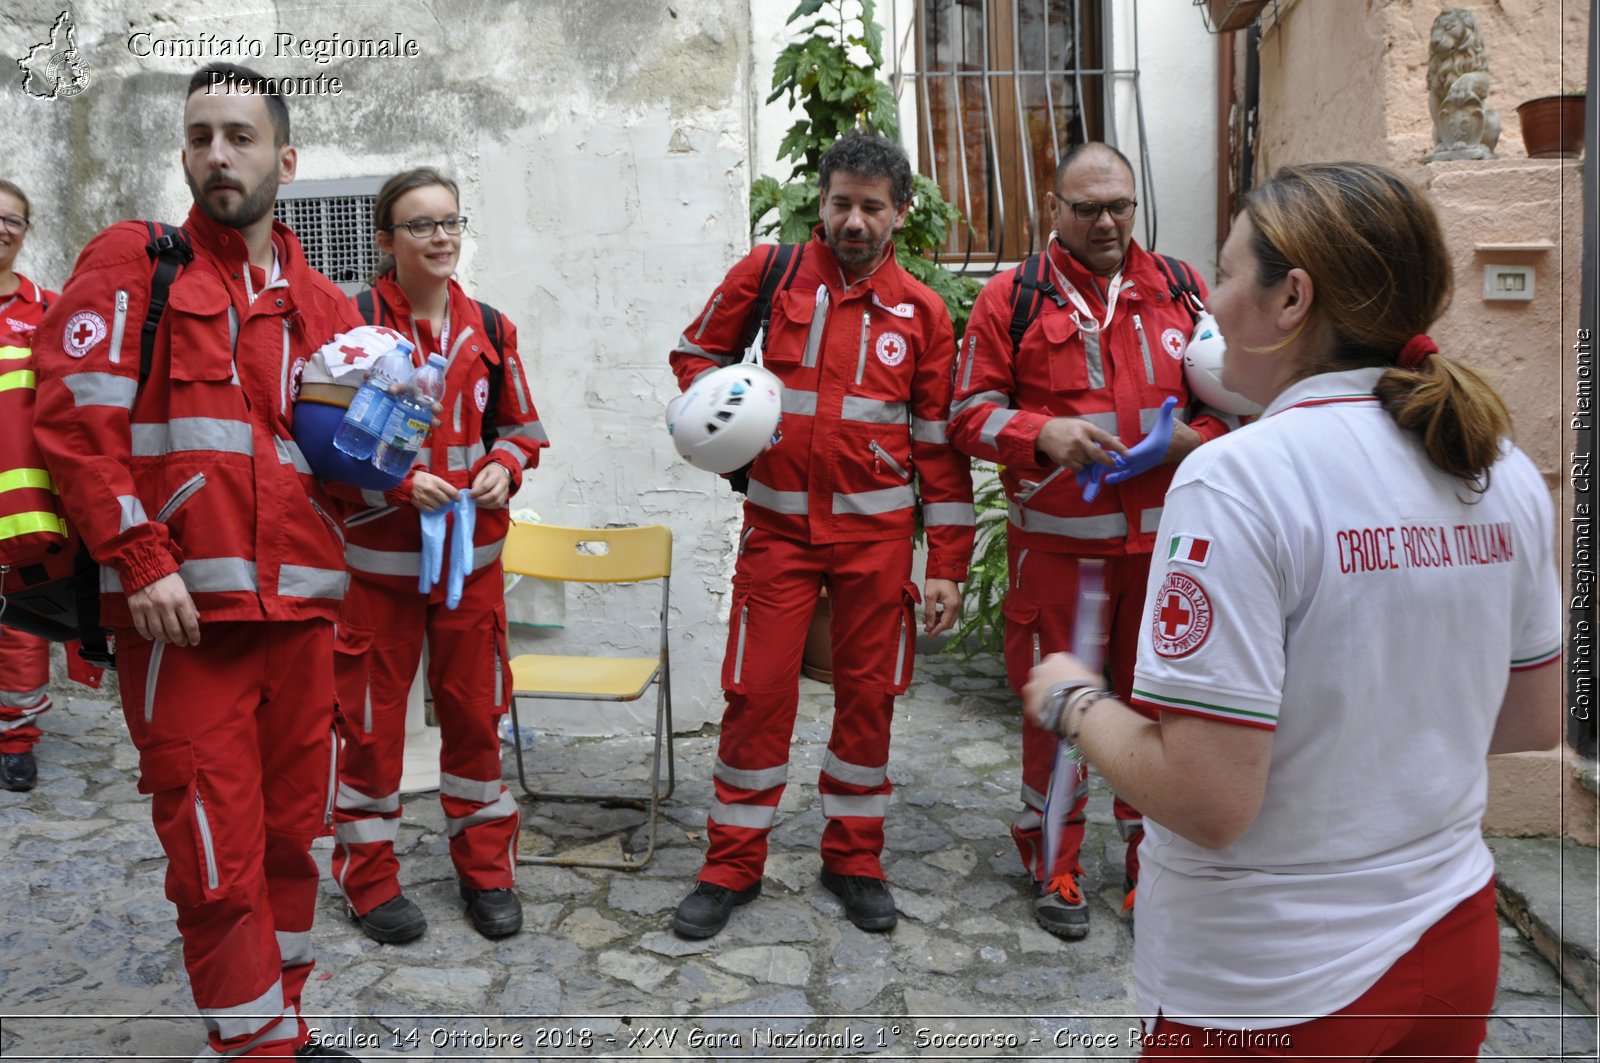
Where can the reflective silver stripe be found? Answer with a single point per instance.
(132, 511)
(482, 555)
(863, 806)
(814, 336)
(750, 817)
(479, 790)
(1150, 519)
(32, 701)
(512, 368)
(792, 502)
(1091, 354)
(978, 398)
(184, 492)
(201, 575)
(688, 346)
(1127, 828)
(366, 516)
(157, 652)
(119, 323)
(284, 1029)
(408, 563)
(367, 831)
(930, 431)
(374, 499)
(716, 301)
(244, 1019)
(949, 514)
(510, 450)
(800, 402)
(1031, 797)
(101, 389)
(1105, 526)
(533, 430)
(24, 719)
(854, 774)
(872, 411)
(703, 372)
(503, 806)
(424, 458)
(994, 424)
(871, 503)
(1104, 421)
(301, 581)
(289, 454)
(455, 415)
(191, 433)
(1148, 418)
(750, 778)
(294, 947)
(460, 459)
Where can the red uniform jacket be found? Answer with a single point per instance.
(30, 520)
(385, 539)
(1116, 380)
(195, 472)
(866, 401)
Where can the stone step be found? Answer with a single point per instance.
(1547, 888)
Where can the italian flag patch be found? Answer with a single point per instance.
(1189, 549)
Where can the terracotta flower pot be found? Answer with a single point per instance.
(1552, 126)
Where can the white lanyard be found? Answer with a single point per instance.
(272, 278)
(444, 334)
(1082, 314)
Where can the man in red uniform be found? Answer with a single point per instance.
(222, 568)
(1087, 380)
(864, 354)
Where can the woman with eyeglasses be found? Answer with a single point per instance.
(485, 436)
(1358, 603)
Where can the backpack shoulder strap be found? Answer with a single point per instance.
(1030, 287)
(1182, 283)
(494, 330)
(170, 251)
(776, 276)
(368, 307)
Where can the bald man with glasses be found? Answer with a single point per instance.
(1071, 407)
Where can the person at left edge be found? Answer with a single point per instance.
(419, 226)
(222, 565)
(864, 352)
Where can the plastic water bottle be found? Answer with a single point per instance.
(363, 423)
(411, 418)
(508, 733)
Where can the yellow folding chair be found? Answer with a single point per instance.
(597, 555)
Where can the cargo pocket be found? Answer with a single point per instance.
(352, 643)
(906, 648)
(178, 810)
(502, 665)
(793, 329)
(202, 338)
(1022, 650)
(734, 661)
(1069, 362)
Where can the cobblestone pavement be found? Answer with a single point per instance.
(90, 964)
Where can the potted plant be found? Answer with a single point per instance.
(1552, 126)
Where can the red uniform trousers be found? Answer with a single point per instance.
(1041, 610)
(1432, 1003)
(235, 740)
(24, 689)
(381, 633)
(775, 589)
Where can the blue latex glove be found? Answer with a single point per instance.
(433, 532)
(466, 510)
(1151, 449)
(1090, 475)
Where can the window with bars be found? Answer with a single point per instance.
(1003, 89)
(333, 220)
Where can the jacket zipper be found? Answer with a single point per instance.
(1144, 346)
(883, 456)
(1022, 559)
(819, 320)
(119, 322)
(206, 842)
(156, 653)
(900, 654)
(333, 775)
(738, 653)
(861, 358)
(1036, 649)
(283, 381)
(716, 301)
(331, 522)
(184, 492)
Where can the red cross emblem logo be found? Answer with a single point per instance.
(1182, 616)
(1174, 342)
(351, 352)
(84, 329)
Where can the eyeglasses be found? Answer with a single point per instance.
(422, 228)
(13, 223)
(1120, 209)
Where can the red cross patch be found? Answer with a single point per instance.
(1182, 617)
(1173, 342)
(84, 329)
(891, 348)
(480, 394)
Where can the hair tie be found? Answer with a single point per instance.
(1416, 349)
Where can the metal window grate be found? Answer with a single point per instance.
(333, 220)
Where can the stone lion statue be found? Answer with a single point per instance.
(1458, 87)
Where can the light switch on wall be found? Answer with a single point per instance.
(1508, 282)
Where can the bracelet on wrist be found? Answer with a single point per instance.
(1078, 704)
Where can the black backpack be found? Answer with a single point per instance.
(1031, 286)
(494, 330)
(64, 608)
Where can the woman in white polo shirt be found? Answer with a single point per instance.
(1359, 602)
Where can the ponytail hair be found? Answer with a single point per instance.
(1381, 274)
(389, 194)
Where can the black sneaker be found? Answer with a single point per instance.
(705, 911)
(1061, 909)
(312, 1050)
(18, 771)
(867, 902)
(394, 922)
(494, 913)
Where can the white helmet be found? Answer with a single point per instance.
(1202, 368)
(726, 417)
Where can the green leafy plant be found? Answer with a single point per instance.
(831, 72)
